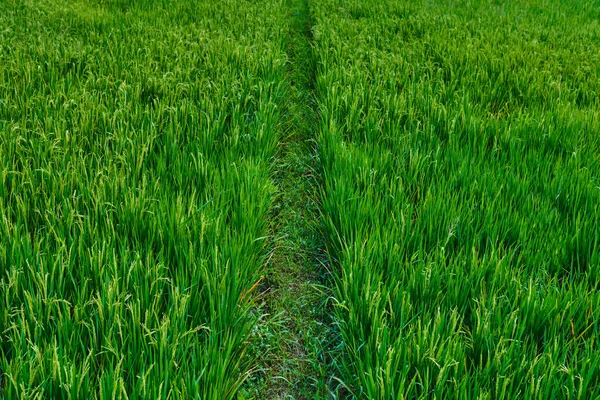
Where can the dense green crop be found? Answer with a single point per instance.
(135, 175)
(460, 153)
(151, 153)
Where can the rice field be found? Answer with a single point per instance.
(136, 140)
(460, 156)
(299, 199)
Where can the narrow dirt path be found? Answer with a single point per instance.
(297, 326)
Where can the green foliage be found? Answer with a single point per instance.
(460, 156)
(459, 159)
(135, 179)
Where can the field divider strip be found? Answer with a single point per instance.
(296, 322)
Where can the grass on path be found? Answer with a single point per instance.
(295, 331)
